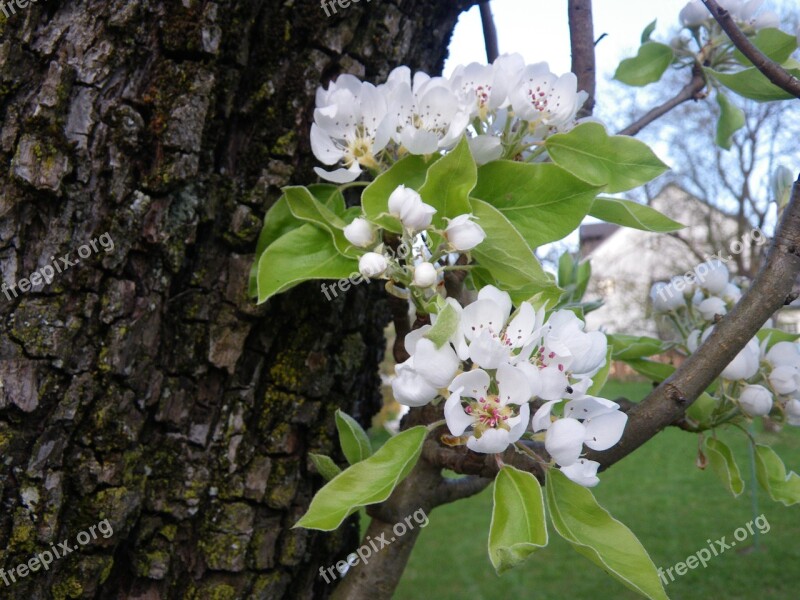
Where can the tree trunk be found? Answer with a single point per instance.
(141, 385)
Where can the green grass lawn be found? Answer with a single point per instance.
(659, 493)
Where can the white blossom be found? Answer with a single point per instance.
(463, 233)
(666, 297)
(755, 400)
(710, 307)
(351, 126)
(372, 265)
(492, 419)
(425, 275)
(544, 98)
(793, 412)
(407, 205)
(360, 233)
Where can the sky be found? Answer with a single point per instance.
(538, 30)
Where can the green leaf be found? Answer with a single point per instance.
(599, 379)
(409, 171)
(777, 45)
(300, 255)
(628, 347)
(279, 221)
(598, 536)
(353, 439)
(542, 200)
(618, 162)
(306, 207)
(648, 31)
(583, 275)
(449, 182)
(367, 482)
(325, 466)
(731, 120)
(632, 214)
(772, 476)
(647, 66)
(446, 324)
(651, 369)
(507, 258)
(724, 465)
(518, 526)
(752, 84)
(775, 336)
(566, 269)
(702, 410)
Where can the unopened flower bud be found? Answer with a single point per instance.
(425, 275)
(360, 233)
(755, 400)
(372, 264)
(463, 233)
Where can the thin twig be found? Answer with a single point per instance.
(489, 32)
(771, 70)
(581, 36)
(691, 91)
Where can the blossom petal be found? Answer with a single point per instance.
(483, 314)
(605, 430)
(520, 329)
(474, 384)
(513, 385)
(564, 441)
(437, 365)
(457, 419)
(502, 299)
(491, 441)
(583, 472)
(588, 407)
(487, 351)
(541, 418)
(410, 388)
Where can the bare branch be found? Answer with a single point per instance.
(581, 35)
(489, 32)
(691, 91)
(771, 70)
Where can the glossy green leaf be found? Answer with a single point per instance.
(777, 45)
(325, 466)
(651, 369)
(598, 536)
(772, 476)
(353, 439)
(306, 207)
(618, 162)
(721, 459)
(566, 269)
(507, 258)
(731, 120)
(599, 379)
(647, 66)
(409, 171)
(279, 221)
(518, 525)
(447, 321)
(367, 482)
(302, 254)
(632, 214)
(752, 84)
(449, 183)
(648, 31)
(775, 336)
(542, 200)
(627, 347)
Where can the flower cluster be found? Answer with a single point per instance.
(497, 362)
(424, 270)
(763, 378)
(505, 108)
(744, 12)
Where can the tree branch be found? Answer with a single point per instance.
(771, 70)
(581, 36)
(667, 403)
(691, 91)
(489, 32)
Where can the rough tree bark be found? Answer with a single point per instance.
(142, 385)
